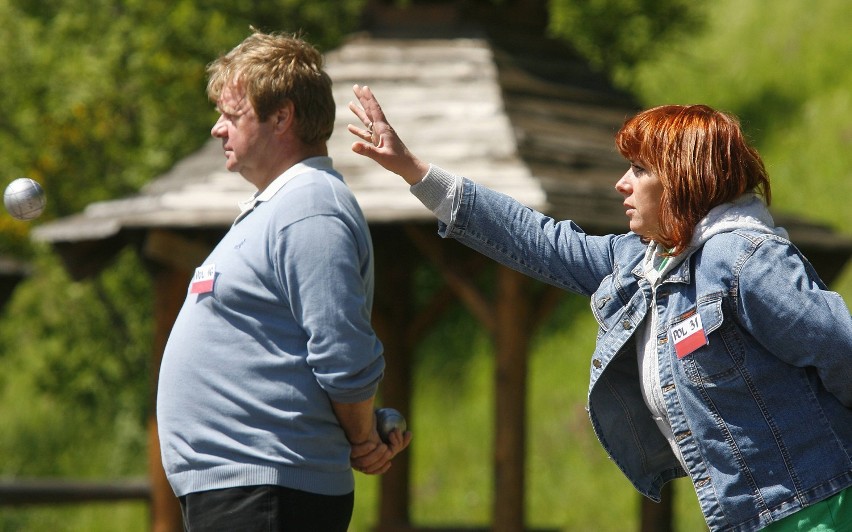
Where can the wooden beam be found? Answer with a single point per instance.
(439, 302)
(458, 281)
(426, 317)
(174, 249)
(88, 258)
(64, 491)
(545, 304)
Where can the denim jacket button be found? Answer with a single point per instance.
(597, 363)
(627, 325)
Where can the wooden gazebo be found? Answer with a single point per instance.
(519, 114)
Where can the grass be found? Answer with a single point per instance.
(103, 517)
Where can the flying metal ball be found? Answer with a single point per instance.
(388, 419)
(24, 199)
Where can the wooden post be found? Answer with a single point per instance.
(169, 291)
(512, 345)
(657, 517)
(392, 316)
(170, 258)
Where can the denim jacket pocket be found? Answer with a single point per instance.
(718, 359)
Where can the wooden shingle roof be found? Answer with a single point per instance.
(443, 96)
(522, 116)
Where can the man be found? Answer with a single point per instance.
(267, 383)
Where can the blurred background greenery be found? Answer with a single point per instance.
(98, 96)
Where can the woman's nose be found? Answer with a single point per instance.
(622, 186)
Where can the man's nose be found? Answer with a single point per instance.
(218, 129)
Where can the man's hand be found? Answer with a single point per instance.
(369, 454)
(374, 457)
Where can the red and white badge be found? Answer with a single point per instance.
(202, 280)
(688, 336)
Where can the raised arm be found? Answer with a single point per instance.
(379, 140)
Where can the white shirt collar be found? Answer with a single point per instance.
(308, 165)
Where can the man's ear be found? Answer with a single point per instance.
(284, 118)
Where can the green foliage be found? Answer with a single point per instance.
(106, 93)
(90, 343)
(617, 34)
(779, 66)
(73, 396)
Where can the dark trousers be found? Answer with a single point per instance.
(265, 509)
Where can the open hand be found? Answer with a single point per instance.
(380, 142)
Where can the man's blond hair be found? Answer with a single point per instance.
(274, 69)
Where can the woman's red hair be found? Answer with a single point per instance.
(701, 158)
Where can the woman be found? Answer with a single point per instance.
(720, 353)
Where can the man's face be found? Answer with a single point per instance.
(244, 138)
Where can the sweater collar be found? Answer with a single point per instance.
(308, 165)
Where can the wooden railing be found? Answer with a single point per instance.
(62, 491)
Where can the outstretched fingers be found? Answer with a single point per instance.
(372, 108)
(369, 112)
(364, 134)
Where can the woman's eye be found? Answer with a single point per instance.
(636, 168)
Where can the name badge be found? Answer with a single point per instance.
(688, 336)
(202, 280)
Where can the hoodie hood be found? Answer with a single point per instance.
(746, 212)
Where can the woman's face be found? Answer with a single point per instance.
(642, 191)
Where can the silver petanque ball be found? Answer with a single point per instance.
(388, 419)
(24, 199)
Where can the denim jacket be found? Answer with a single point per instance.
(761, 411)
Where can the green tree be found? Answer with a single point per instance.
(106, 92)
(615, 35)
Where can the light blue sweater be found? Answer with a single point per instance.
(250, 366)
